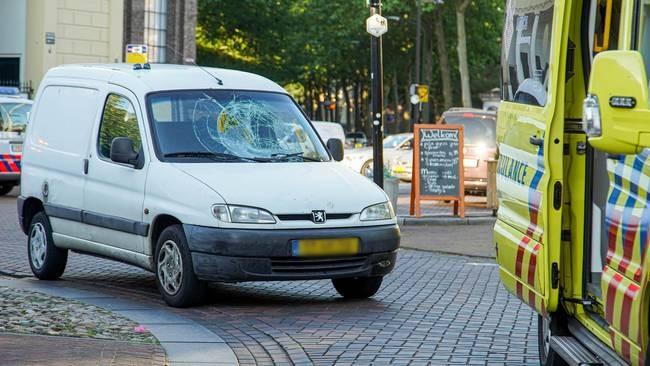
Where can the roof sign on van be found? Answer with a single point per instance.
(136, 53)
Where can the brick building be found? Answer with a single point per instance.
(36, 35)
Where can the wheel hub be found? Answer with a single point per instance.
(170, 267)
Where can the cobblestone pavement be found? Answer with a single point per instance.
(37, 350)
(434, 309)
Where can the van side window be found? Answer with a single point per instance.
(118, 120)
(526, 50)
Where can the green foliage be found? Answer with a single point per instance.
(321, 46)
(118, 120)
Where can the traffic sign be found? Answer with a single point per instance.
(423, 93)
(415, 99)
(377, 25)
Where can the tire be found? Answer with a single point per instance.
(545, 329)
(5, 189)
(45, 259)
(175, 277)
(357, 288)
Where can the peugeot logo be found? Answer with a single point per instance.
(318, 216)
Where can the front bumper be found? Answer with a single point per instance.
(13, 178)
(235, 255)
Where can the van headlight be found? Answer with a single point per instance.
(242, 214)
(381, 211)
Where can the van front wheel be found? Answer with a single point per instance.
(175, 276)
(546, 328)
(357, 288)
(46, 260)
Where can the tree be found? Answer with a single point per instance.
(461, 8)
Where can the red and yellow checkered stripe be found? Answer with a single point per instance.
(627, 223)
(9, 163)
(622, 312)
(526, 270)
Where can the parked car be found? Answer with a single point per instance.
(192, 178)
(14, 114)
(329, 130)
(480, 146)
(479, 131)
(396, 148)
(355, 140)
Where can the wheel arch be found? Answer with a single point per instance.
(160, 223)
(30, 207)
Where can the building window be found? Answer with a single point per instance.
(155, 29)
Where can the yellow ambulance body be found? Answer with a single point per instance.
(574, 175)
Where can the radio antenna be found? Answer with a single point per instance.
(193, 63)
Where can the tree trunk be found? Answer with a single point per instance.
(443, 58)
(398, 115)
(427, 69)
(357, 107)
(462, 53)
(346, 97)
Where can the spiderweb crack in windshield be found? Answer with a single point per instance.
(243, 127)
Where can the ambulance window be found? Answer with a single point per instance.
(607, 16)
(118, 120)
(526, 51)
(644, 38)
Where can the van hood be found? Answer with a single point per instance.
(288, 188)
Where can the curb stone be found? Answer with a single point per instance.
(444, 220)
(185, 342)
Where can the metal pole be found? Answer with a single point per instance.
(377, 87)
(418, 58)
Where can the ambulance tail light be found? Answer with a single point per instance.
(591, 122)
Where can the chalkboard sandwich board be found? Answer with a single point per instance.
(438, 166)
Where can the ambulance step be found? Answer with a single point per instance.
(573, 352)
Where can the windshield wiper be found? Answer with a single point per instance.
(285, 156)
(210, 155)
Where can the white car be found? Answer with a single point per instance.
(329, 130)
(398, 150)
(14, 114)
(188, 172)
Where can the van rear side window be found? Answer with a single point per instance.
(525, 56)
(64, 118)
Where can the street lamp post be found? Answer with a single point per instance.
(377, 87)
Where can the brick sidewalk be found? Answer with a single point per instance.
(39, 350)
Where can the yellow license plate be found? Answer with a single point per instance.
(325, 247)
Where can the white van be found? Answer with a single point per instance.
(196, 175)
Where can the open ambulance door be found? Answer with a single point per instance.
(529, 134)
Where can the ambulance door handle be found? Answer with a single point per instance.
(85, 166)
(534, 140)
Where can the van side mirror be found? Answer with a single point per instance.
(615, 112)
(122, 151)
(335, 146)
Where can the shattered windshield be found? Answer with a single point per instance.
(231, 126)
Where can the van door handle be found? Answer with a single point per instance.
(85, 166)
(537, 141)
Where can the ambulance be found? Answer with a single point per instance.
(573, 177)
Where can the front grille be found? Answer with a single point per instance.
(317, 266)
(308, 217)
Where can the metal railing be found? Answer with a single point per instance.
(24, 86)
